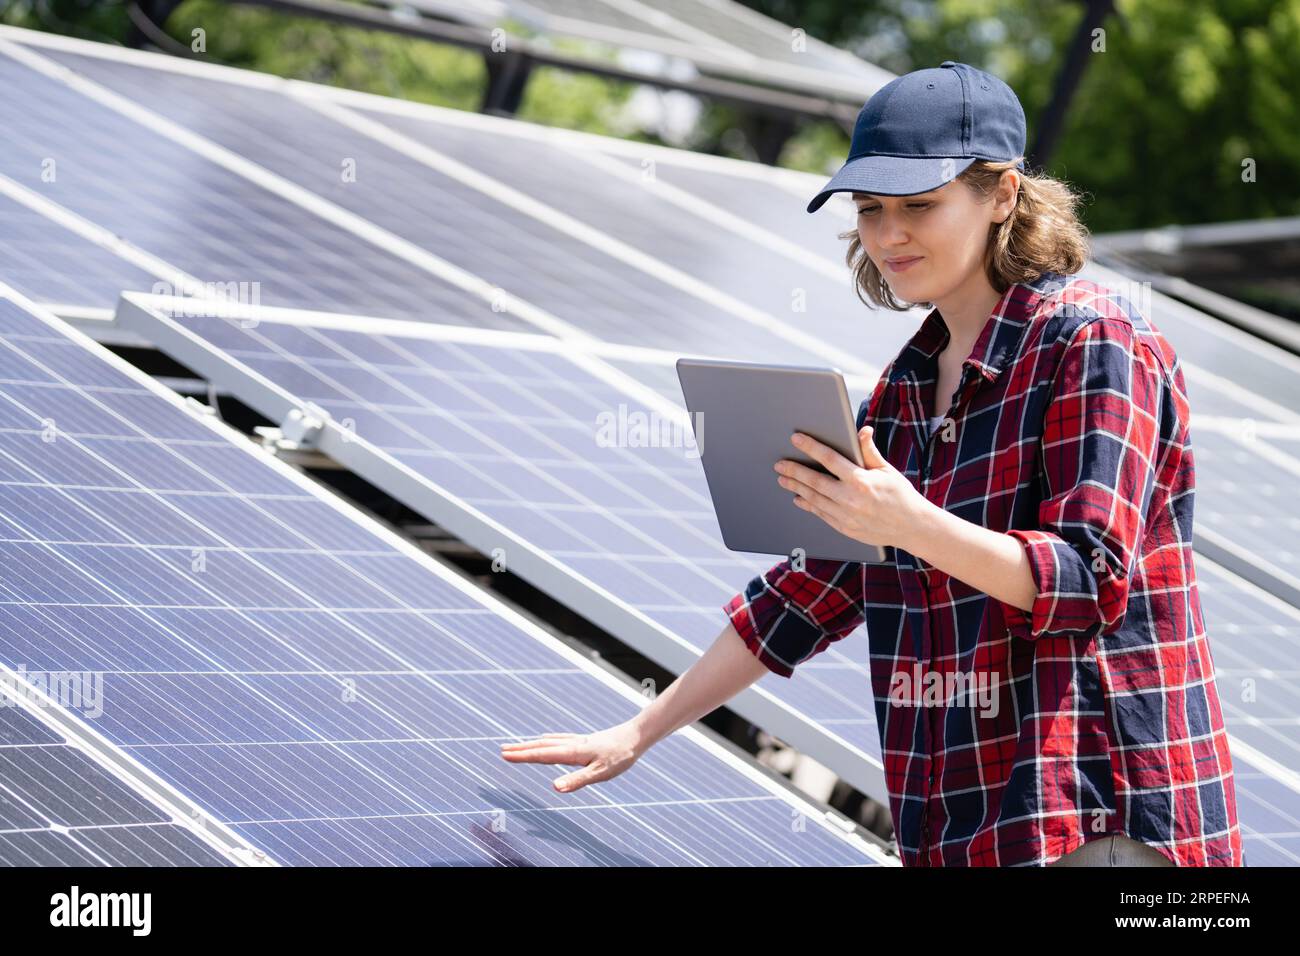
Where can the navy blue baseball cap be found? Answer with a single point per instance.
(922, 129)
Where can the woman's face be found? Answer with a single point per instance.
(930, 244)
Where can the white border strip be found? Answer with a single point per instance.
(1234, 427)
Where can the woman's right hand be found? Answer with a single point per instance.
(602, 755)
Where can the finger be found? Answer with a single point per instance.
(534, 741)
(547, 736)
(550, 752)
(824, 455)
(797, 488)
(827, 508)
(528, 746)
(801, 479)
(577, 780)
(822, 513)
(871, 456)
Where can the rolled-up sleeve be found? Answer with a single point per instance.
(1101, 454)
(787, 615)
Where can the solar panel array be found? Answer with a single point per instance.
(625, 527)
(591, 285)
(825, 717)
(326, 693)
(477, 232)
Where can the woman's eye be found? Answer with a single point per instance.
(872, 210)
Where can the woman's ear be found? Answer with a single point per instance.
(1007, 194)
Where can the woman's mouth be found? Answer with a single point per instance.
(902, 263)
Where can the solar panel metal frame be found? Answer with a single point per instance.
(723, 59)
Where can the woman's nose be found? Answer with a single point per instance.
(891, 231)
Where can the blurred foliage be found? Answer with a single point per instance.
(574, 100)
(332, 53)
(1184, 93)
(88, 19)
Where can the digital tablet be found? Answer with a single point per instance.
(743, 414)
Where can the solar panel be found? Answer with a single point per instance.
(60, 808)
(1243, 392)
(323, 690)
(777, 205)
(634, 298)
(1246, 502)
(1238, 385)
(207, 222)
(1208, 346)
(506, 434)
(765, 38)
(783, 279)
(1255, 641)
(53, 265)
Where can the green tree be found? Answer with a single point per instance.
(1182, 100)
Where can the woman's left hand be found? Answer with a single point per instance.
(875, 505)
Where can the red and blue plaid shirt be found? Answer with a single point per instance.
(1012, 737)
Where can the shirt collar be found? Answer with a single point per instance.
(998, 341)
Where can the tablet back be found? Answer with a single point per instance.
(743, 414)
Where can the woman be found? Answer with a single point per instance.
(1043, 682)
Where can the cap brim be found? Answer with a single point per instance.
(892, 176)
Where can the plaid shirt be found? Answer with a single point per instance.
(1012, 737)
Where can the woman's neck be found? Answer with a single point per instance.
(966, 311)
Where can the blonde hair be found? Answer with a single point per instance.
(1042, 234)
